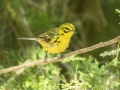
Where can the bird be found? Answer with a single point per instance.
(55, 40)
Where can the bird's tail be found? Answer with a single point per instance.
(23, 38)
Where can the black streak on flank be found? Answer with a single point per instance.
(56, 40)
(61, 34)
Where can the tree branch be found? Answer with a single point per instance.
(56, 59)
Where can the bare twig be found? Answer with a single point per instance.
(56, 59)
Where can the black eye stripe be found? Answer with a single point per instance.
(67, 28)
(66, 31)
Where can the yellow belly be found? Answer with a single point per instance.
(57, 47)
(60, 47)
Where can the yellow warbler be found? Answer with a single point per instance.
(55, 40)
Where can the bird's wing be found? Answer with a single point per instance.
(49, 35)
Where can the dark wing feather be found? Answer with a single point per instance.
(49, 35)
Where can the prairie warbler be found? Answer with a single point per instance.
(55, 40)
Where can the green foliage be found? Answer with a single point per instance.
(49, 80)
(95, 21)
(86, 74)
(96, 78)
(117, 11)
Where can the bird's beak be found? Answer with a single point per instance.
(74, 31)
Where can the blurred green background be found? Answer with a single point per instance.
(95, 21)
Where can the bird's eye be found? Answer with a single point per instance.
(67, 28)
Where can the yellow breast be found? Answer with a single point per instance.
(60, 46)
(57, 40)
